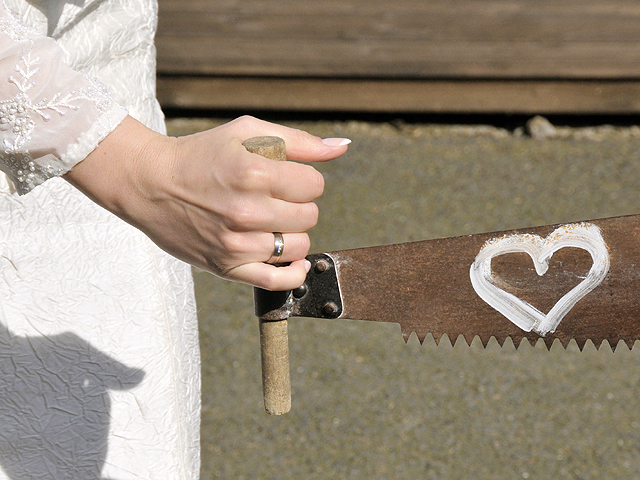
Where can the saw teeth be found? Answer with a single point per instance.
(565, 343)
(446, 337)
(548, 341)
(612, 345)
(469, 339)
(500, 341)
(519, 344)
(581, 343)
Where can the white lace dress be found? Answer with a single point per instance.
(99, 362)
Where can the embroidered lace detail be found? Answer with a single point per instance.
(19, 113)
(16, 30)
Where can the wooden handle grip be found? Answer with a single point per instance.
(276, 380)
(274, 336)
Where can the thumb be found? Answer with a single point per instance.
(305, 147)
(308, 148)
(301, 145)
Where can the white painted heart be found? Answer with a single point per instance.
(582, 235)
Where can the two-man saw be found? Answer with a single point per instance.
(577, 281)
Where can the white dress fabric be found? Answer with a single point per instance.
(99, 358)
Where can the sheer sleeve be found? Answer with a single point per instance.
(51, 117)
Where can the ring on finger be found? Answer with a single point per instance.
(278, 246)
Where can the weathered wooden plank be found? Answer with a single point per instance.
(379, 95)
(451, 24)
(399, 59)
(226, 8)
(432, 39)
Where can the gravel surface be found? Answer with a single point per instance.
(368, 406)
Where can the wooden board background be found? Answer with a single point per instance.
(515, 56)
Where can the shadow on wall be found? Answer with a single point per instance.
(54, 405)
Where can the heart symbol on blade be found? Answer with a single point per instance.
(582, 235)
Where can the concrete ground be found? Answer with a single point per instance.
(368, 406)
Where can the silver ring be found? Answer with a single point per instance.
(278, 246)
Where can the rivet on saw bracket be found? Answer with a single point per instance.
(318, 297)
(321, 266)
(301, 291)
(329, 309)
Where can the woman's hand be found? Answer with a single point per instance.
(206, 200)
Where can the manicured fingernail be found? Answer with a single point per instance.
(336, 142)
(307, 265)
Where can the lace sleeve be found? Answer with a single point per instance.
(51, 117)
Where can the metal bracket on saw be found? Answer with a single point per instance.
(318, 297)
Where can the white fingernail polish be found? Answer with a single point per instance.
(336, 142)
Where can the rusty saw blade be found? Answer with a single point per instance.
(577, 281)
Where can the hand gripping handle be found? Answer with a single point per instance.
(274, 337)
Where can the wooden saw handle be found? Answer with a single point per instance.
(274, 336)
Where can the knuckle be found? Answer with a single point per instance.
(312, 214)
(233, 245)
(244, 215)
(254, 175)
(305, 245)
(302, 137)
(244, 120)
(316, 181)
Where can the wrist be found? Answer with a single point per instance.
(125, 165)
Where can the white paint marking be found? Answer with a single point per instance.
(582, 235)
